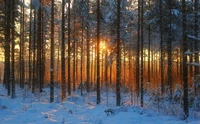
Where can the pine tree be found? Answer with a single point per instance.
(13, 50)
(30, 46)
(63, 73)
(118, 66)
(88, 49)
(69, 49)
(196, 46)
(161, 45)
(52, 54)
(7, 45)
(137, 69)
(98, 52)
(184, 64)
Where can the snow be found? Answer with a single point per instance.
(36, 109)
(188, 53)
(36, 4)
(193, 37)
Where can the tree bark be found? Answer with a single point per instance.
(118, 66)
(63, 73)
(98, 52)
(52, 54)
(185, 69)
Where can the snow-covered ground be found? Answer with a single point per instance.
(28, 108)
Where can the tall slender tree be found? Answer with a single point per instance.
(137, 69)
(88, 48)
(196, 27)
(169, 50)
(30, 45)
(39, 47)
(52, 54)
(142, 56)
(63, 73)
(13, 50)
(118, 66)
(184, 62)
(98, 52)
(22, 62)
(161, 49)
(69, 49)
(7, 45)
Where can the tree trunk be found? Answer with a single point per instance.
(13, 50)
(184, 64)
(34, 52)
(169, 49)
(69, 49)
(161, 49)
(98, 52)
(88, 52)
(118, 67)
(7, 46)
(138, 53)
(63, 78)
(142, 64)
(74, 49)
(52, 54)
(196, 28)
(39, 49)
(30, 46)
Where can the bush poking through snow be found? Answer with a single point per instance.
(109, 112)
(4, 107)
(178, 94)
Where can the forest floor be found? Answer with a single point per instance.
(28, 108)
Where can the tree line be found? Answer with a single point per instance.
(118, 43)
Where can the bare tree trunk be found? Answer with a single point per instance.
(52, 54)
(22, 63)
(149, 49)
(74, 49)
(39, 48)
(88, 52)
(196, 28)
(30, 46)
(98, 52)
(34, 52)
(118, 67)
(162, 49)
(69, 49)
(63, 78)
(138, 53)
(82, 38)
(169, 46)
(13, 50)
(142, 64)
(185, 69)
(7, 46)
